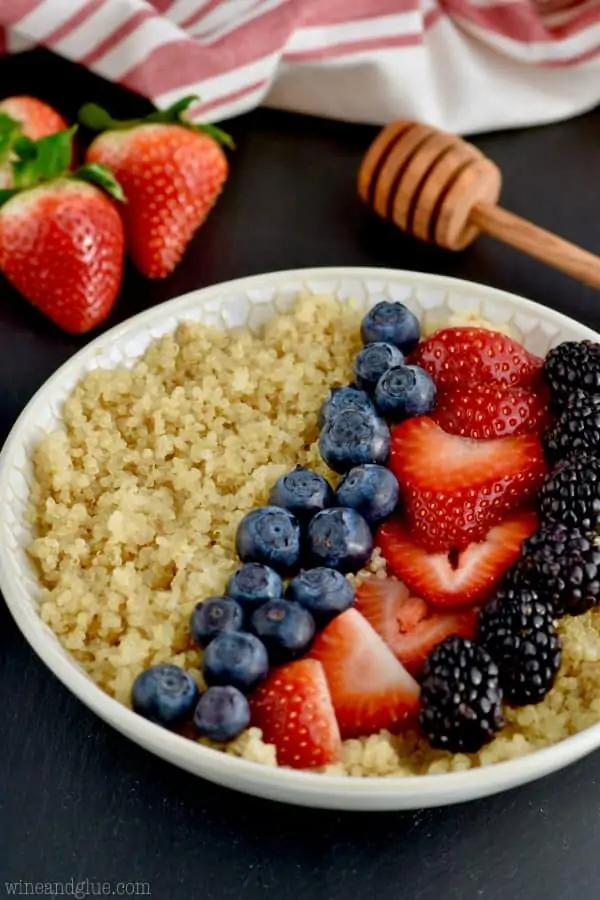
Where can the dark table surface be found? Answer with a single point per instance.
(78, 801)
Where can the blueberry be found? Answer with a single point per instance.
(253, 584)
(353, 438)
(373, 361)
(344, 398)
(165, 694)
(285, 628)
(405, 391)
(339, 538)
(371, 490)
(302, 492)
(269, 535)
(236, 659)
(323, 592)
(222, 713)
(213, 616)
(391, 322)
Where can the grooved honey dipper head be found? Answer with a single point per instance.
(427, 182)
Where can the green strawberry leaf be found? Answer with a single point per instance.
(43, 160)
(97, 119)
(9, 132)
(102, 177)
(7, 193)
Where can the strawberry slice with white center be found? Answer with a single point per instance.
(293, 709)
(370, 689)
(455, 579)
(454, 489)
(406, 623)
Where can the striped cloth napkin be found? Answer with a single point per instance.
(464, 65)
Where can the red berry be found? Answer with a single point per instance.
(491, 410)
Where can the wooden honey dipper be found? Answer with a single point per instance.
(441, 189)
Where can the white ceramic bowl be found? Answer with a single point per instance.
(252, 301)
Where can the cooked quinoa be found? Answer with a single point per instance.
(137, 498)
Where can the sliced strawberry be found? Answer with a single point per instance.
(293, 709)
(450, 579)
(462, 355)
(490, 410)
(455, 489)
(407, 625)
(369, 688)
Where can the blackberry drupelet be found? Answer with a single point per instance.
(577, 429)
(461, 697)
(572, 365)
(519, 633)
(562, 566)
(571, 494)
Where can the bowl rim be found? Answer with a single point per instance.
(206, 761)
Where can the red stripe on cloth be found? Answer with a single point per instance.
(197, 16)
(162, 6)
(350, 47)
(16, 10)
(200, 108)
(180, 64)
(123, 31)
(80, 16)
(339, 12)
(576, 60)
(519, 21)
(432, 17)
(2, 41)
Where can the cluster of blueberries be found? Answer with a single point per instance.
(308, 533)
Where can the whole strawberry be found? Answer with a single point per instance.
(25, 116)
(37, 119)
(61, 237)
(171, 171)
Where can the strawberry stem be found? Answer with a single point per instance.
(96, 118)
(102, 177)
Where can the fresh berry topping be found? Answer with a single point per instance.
(370, 490)
(293, 709)
(302, 492)
(253, 584)
(269, 535)
(563, 567)
(577, 430)
(323, 592)
(222, 713)
(165, 694)
(408, 626)
(485, 411)
(213, 616)
(345, 398)
(463, 355)
(339, 538)
(237, 659)
(172, 173)
(285, 628)
(405, 391)
(461, 698)
(369, 688)
(570, 366)
(571, 494)
(519, 633)
(391, 322)
(455, 578)
(373, 361)
(352, 438)
(455, 489)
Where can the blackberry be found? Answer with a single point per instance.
(571, 365)
(577, 429)
(562, 566)
(519, 633)
(571, 493)
(461, 698)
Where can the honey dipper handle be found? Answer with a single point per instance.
(541, 244)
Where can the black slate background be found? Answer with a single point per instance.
(77, 801)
